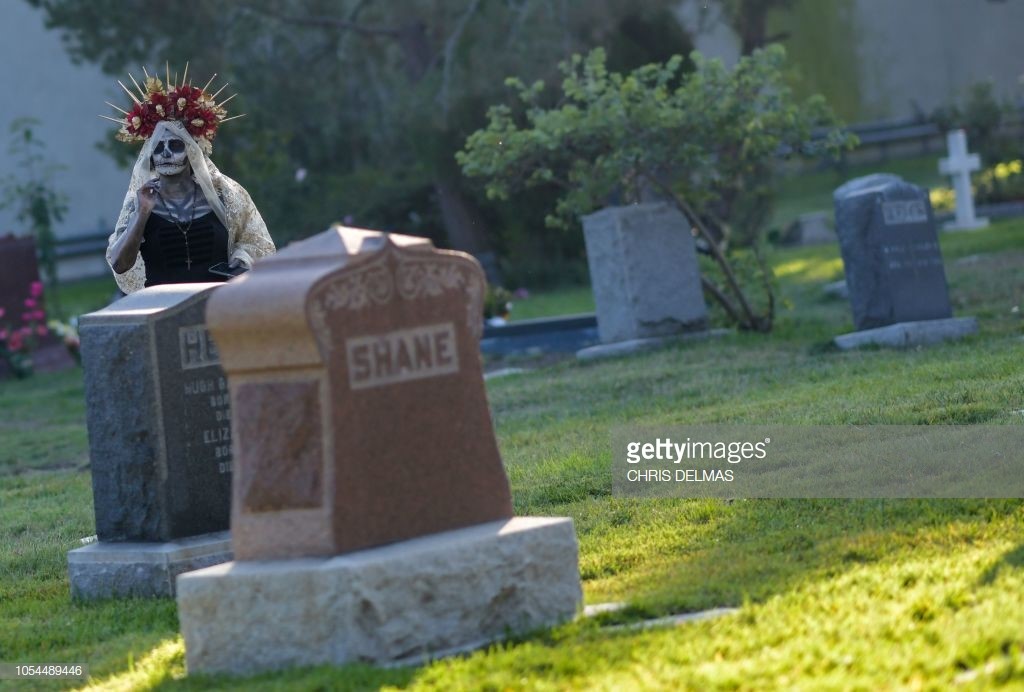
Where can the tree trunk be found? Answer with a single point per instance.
(464, 225)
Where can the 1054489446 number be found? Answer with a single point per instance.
(21, 671)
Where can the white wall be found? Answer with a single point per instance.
(927, 52)
(932, 51)
(38, 79)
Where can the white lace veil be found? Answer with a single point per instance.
(202, 170)
(248, 238)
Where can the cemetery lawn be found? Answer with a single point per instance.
(805, 191)
(570, 300)
(830, 594)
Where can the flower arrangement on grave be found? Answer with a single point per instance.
(1003, 182)
(497, 303)
(68, 334)
(19, 341)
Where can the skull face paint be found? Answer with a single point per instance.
(169, 157)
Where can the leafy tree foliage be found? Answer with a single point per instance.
(32, 195)
(702, 139)
(749, 19)
(370, 99)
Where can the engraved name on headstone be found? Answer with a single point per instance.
(401, 356)
(372, 517)
(159, 417)
(891, 255)
(369, 424)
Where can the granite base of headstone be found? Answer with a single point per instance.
(909, 334)
(106, 569)
(634, 346)
(428, 596)
(895, 277)
(644, 273)
(371, 516)
(159, 422)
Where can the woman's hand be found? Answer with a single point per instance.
(146, 197)
(125, 250)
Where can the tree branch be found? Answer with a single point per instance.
(449, 53)
(322, 22)
(766, 279)
(722, 299)
(716, 251)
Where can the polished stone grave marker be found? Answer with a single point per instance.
(372, 518)
(159, 420)
(893, 264)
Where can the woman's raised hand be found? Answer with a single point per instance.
(146, 197)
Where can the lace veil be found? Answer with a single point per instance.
(248, 238)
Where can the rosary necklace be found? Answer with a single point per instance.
(174, 220)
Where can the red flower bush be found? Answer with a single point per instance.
(17, 343)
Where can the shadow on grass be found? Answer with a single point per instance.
(753, 550)
(1014, 559)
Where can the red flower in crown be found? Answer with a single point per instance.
(195, 108)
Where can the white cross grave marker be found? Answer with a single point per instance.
(958, 166)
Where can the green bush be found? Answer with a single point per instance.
(706, 139)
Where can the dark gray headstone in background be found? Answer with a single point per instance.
(891, 256)
(159, 418)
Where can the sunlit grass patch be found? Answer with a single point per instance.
(831, 594)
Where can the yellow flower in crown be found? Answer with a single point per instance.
(194, 107)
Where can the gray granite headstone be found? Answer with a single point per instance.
(158, 415)
(890, 248)
(644, 271)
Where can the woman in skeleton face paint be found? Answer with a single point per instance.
(181, 216)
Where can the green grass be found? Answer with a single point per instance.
(86, 295)
(796, 194)
(802, 271)
(804, 192)
(565, 301)
(831, 594)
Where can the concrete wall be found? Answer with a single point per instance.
(931, 51)
(906, 54)
(39, 80)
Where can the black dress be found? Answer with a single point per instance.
(171, 260)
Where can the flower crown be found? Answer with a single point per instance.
(195, 108)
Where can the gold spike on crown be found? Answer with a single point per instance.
(195, 108)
